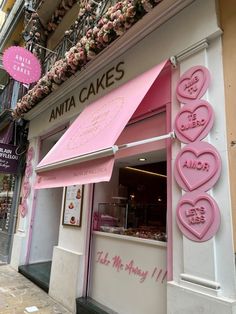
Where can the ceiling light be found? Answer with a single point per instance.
(146, 172)
(142, 159)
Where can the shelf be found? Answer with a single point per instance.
(130, 238)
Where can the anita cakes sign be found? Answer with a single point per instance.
(198, 164)
(21, 64)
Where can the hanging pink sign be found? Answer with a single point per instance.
(198, 216)
(197, 167)
(193, 84)
(194, 121)
(21, 64)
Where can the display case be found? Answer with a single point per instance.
(123, 218)
(111, 217)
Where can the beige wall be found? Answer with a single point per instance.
(228, 25)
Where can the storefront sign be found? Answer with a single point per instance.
(104, 81)
(8, 158)
(194, 121)
(193, 84)
(22, 65)
(107, 79)
(197, 166)
(198, 216)
(64, 107)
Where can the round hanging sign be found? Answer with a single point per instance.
(21, 64)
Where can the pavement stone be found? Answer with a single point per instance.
(17, 293)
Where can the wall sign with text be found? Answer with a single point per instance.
(198, 216)
(197, 167)
(193, 84)
(198, 164)
(9, 159)
(194, 121)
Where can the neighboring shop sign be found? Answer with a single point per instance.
(8, 159)
(21, 64)
(198, 164)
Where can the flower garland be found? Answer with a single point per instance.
(115, 22)
(60, 12)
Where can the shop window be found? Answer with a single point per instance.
(134, 202)
(7, 183)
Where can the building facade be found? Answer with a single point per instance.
(131, 218)
(13, 134)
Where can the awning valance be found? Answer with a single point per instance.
(85, 153)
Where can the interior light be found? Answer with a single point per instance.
(146, 172)
(132, 196)
(159, 199)
(142, 159)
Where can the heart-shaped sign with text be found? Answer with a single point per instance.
(198, 216)
(194, 121)
(193, 84)
(197, 167)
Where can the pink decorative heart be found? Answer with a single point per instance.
(198, 216)
(23, 208)
(194, 121)
(197, 166)
(193, 84)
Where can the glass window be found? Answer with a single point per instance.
(134, 202)
(7, 183)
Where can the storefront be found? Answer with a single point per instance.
(122, 238)
(11, 160)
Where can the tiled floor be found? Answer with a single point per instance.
(17, 293)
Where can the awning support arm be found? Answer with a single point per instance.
(148, 140)
(110, 151)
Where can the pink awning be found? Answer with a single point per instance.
(85, 153)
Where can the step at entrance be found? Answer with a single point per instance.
(38, 273)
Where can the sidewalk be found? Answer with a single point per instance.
(18, 295)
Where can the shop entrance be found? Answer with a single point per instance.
(46, 214)
(7, 188)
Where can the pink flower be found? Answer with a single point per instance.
(91, 54)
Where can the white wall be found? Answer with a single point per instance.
(46, 224)
(45, 228)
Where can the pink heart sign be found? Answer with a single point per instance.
(197, 167)
(198, 216)
(193, 84)
(194, 121)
